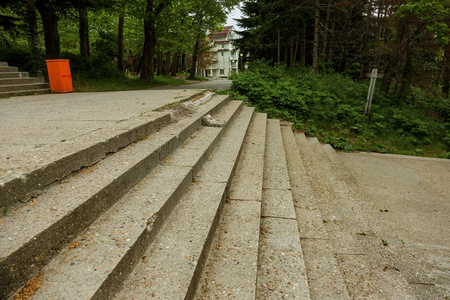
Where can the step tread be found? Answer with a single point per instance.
(362, 258)
(52, 221)
(121, 227)
(53, 162)
(281, 269)
(25, 92)
(173, 262)
(324, 278)
(14, 75)
(231, 266)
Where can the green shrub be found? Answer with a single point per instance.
(331, 106)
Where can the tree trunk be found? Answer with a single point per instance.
(292, 52)
(194, 58)
(120, 48)
(84, 31)
(325, 34)
(446, 73)
(33, 36)
(159, 63)
(394, 56)
(316, 38)
(174, 68)
(167, 64)
(303, 47)
(148, 55)
(50, 24)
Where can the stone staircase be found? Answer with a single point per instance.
(249, 210)
(13, 82)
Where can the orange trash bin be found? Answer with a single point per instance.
(59, 75)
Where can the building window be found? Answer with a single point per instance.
(222, 71)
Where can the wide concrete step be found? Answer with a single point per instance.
(23, 87)
(25, 92)
(7, 69)
(171, 267)
(16, 81)
(128, 228)
(325, 280)
(14, 74)
(23, 181)
(231, 268)
(281, 268)
(51, 223)
(367, 266)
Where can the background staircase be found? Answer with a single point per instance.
(245, 211)
(13, 82)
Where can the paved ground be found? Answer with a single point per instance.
(33, 126)
(416, 193)
(213, 84)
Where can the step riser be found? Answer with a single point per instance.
(18, 81)
(21, 189)
(14, 75)
(23, 87)
(24, 93)
(114, 282)
(59, 234)
(7, 69)
(3, 64)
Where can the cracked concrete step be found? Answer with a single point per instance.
(367, 266)
(171, 266)
(324, 277)
(7, 69)
(60, 160)
(113, 244)
(231, 268)
(14, 75)
(33, 232)
(25, 92)
(18, 81)
(281, 268)
(24, 87)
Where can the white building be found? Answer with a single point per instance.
(225, 56)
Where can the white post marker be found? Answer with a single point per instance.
(373, 80)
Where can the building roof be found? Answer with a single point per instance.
(221, 34)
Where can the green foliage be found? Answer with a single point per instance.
(94, 67)
(24, 60)
(331, 106)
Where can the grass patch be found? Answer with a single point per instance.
(122, 84)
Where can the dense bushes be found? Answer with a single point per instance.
(92, 67)
(332, 107)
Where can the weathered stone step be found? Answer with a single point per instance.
(50, 223)
(19, 81)
(129, 226)
(7, 69)
(324, 278)
(14, 75)
(23, 87)
(281, 269)
(171, 267)
(60, 160)
(367, 267)
(25, 92)
(231, 268)
(3, 64)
